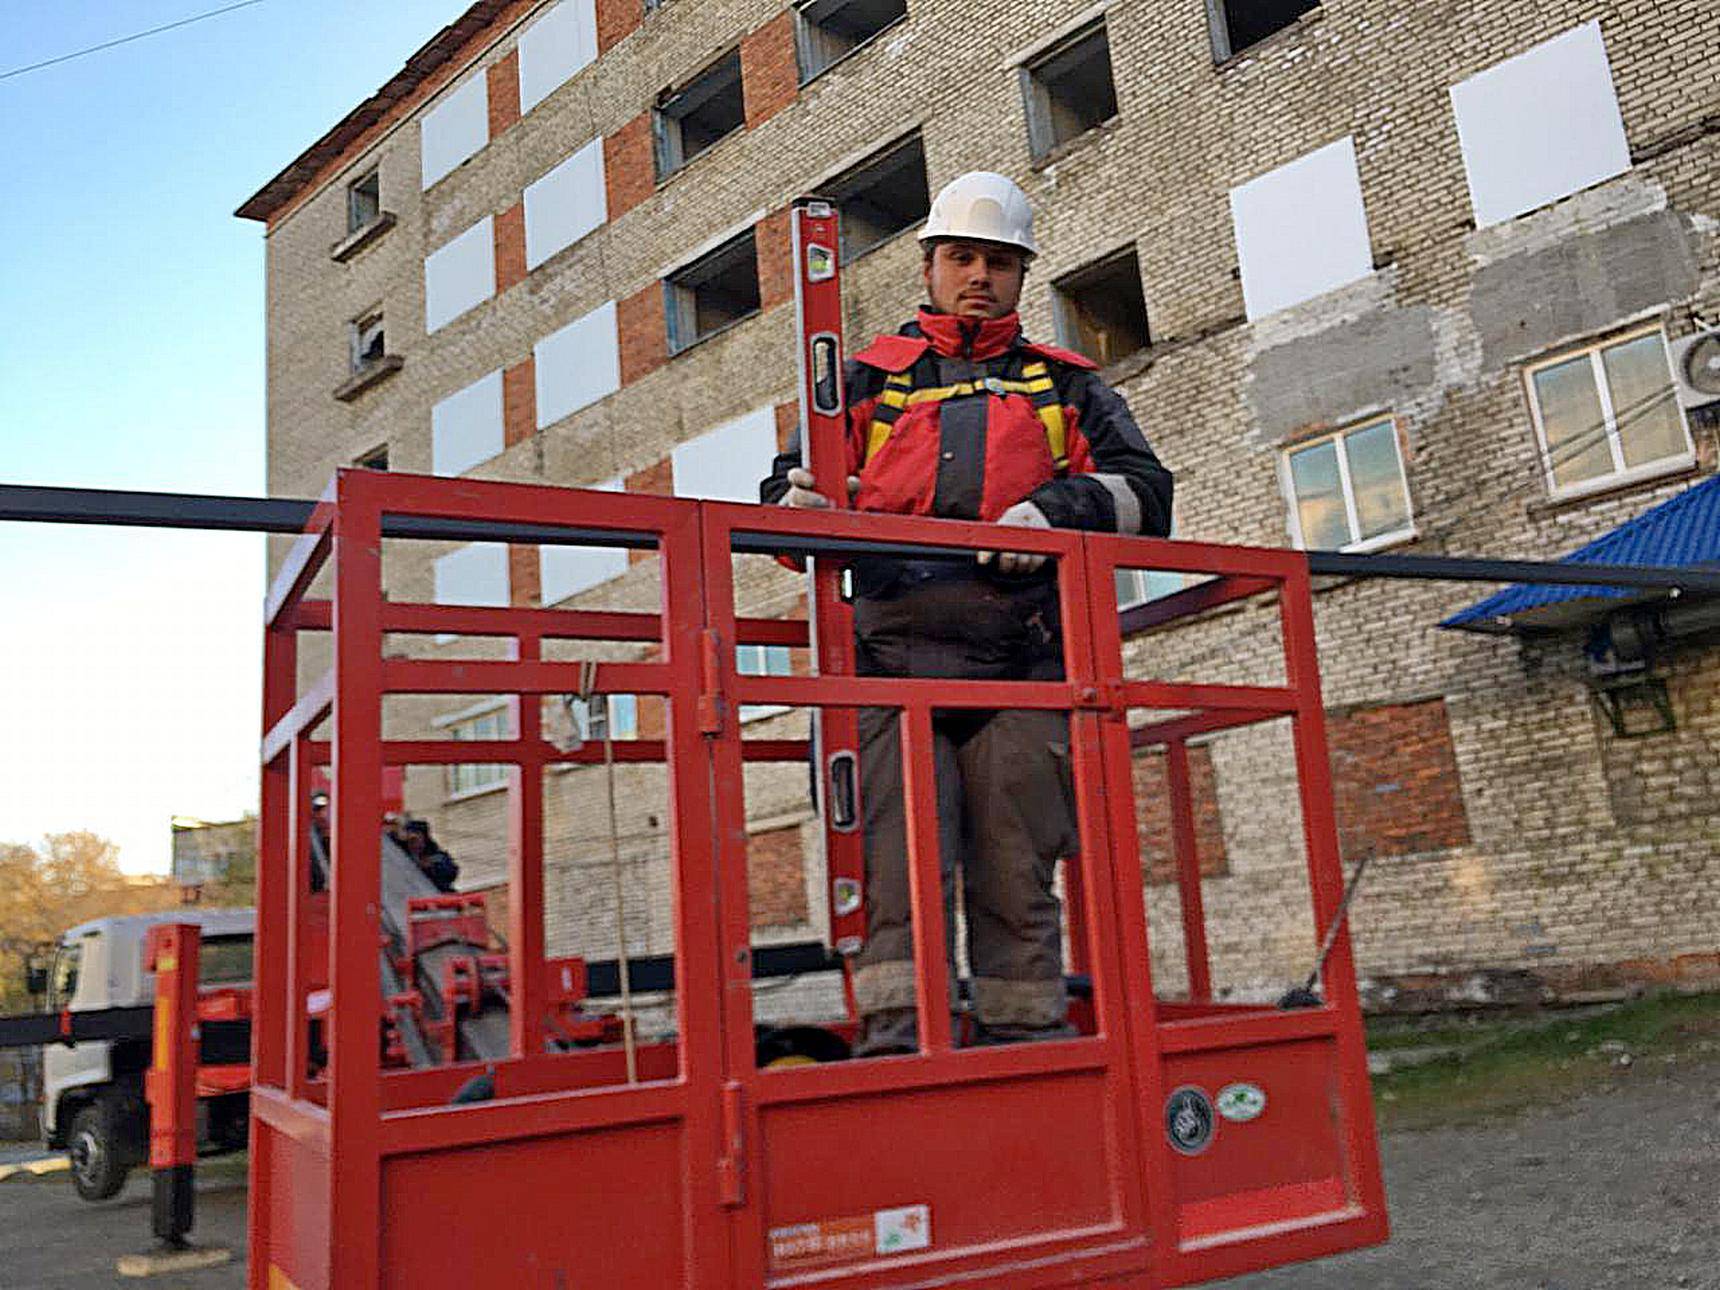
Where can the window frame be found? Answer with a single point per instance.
(802, 40)
(593, 727)
(1036, 98)
(1218, 29)
(1064, 306)
(669, 154)
(1357, 545)
(373, 176)
(449, 724)
(357, 328)
(1621, 476)
(845, 185)
(680, 301)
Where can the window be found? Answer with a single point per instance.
(459, 275)
(762, 660)
(691, 119)
(827, 30)
(475, 777)
(1347, 490)
(881, 196)
(1301, 230)
(725, 464)
(1068, 89)
(605, 716)
(375, 459)
(1540, 126)
(1606, 414)
(454, 129)
(466, 427)
(363, 201)
(713, 292)
(225, 960)
(68, 959)
(1237, 24)
(369, 345)
(577, 365)
(1101, 310)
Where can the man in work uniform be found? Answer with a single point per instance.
(959, 416)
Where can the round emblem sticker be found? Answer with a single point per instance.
(1188, 1120)
(1241, 1102)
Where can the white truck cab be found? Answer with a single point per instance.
(92, 1092)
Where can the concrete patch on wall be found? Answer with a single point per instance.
(1387, 358)
(1589, 281)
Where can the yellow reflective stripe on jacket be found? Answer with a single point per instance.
(1035, 383)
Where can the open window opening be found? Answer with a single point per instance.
(826, 31)
(1101, 309)
(881, 196)
(369, 343)
(692, 118)
(363, 201)
(1069, 89)
(1237, 24)
(712, 293)
(375, 459)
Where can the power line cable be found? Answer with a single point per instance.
(125, 40)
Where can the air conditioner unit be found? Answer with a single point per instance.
(1696, 368)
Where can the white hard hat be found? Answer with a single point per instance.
(984, 206)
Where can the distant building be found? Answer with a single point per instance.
(1373, 277)
(205, 854)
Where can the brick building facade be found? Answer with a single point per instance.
(1348, 289)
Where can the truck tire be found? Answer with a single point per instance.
(98, 1150)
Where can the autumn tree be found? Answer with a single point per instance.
(67, 879)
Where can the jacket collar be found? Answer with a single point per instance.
(969, 338)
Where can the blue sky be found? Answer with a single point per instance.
(131, 356)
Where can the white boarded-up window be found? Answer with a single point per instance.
(459, 275)
(568, 570)
(565, 204)
(726, 464)
(454, 129)
(577, 365)
(476, 574)
(1540, 126)
(554, 48)
(1301, 230)
(466, 427)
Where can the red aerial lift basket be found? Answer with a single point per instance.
(1169, 1143)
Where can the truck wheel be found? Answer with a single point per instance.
(98, 1155)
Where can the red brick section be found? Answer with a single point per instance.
(787, 422)
(504, 92)
(615, 19)
(653, 716)
(629, 169)
(776, 883)
(658, 481)
(1153, 813)
(770, 71)
(644, 335)
(519, 401)
(773, 243)
(1394, 780)
(525, 577)
(510, 234)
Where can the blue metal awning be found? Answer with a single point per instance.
(1682, 531)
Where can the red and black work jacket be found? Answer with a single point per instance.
(962, 418)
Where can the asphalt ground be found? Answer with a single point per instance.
(1615, 1189)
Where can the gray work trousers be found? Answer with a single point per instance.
(1005, 813)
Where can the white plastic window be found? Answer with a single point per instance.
(762, 660)
(606, 716)
(1347, 490)
(555, 47)
(566, 204)
(1301, 230)
(468, 778)
(466, 427)
(454, 129)
(1606, 414)
(1540, 126)
(476, 574)
(577, 365)
(726, 464)
(460, 275)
